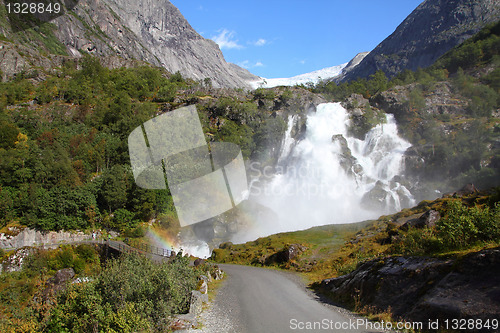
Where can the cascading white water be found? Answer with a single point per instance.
(330, 177)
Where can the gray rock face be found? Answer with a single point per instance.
(14, 262)
(163, 30)
(196, 305)
(432, 29)
(124, 32)
(58, 282)
(30, 237)
(351, 65)
(419, 288)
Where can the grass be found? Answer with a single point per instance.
(321, 248)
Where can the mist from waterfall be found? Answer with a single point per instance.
(330, 177)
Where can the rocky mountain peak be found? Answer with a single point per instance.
(121, 32)
(432, 29)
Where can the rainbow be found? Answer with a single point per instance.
(163, 240)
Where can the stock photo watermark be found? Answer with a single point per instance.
(26, 14)
(366, 325)
(205, 180)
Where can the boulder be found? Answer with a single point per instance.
(219, 274)
(466, 190)
(375, 199)
(198, 262)
(427, 219)
(62, 276)
(202, 286)
(287, 254)
(196, 305)
(58, 282)
(290, 252)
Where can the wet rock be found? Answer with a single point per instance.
(375, 199)
(299, 127)
(466, 190)
(348, 162)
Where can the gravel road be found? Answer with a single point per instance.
(257, 300)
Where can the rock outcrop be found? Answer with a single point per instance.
(18, 238)
(432, 29)
(59, 281)
(14, 262)
(422, 289)
(427, 219)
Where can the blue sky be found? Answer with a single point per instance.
(277, 38)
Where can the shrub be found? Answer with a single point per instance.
(457, 229)
(131, 294)
(464, 226)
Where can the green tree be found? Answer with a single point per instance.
(115, 184)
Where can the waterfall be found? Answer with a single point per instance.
(330, 177)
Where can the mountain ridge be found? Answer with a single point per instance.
(432, 29)
(120, 33)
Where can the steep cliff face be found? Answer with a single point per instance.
(121, 32)
(163, 30)
(432, 29)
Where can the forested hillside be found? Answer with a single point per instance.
(64, 160)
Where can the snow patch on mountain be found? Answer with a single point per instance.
(312, 77)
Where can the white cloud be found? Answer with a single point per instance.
(226, 40)
(261, 42)
(246, 64)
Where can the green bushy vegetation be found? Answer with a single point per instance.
(64, 160)
(127, 294)
(130, 294)
(461, 228)
(22, 292)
